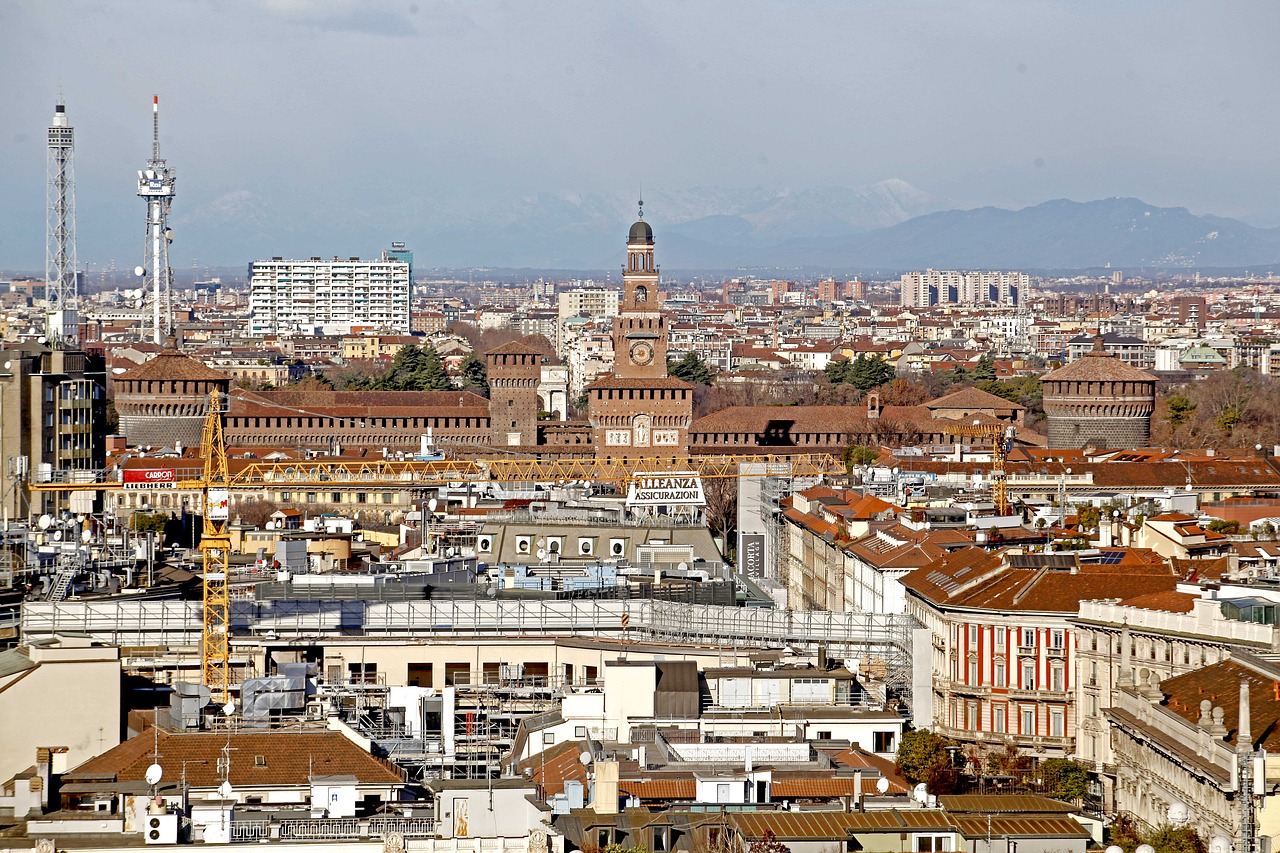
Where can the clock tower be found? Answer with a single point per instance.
(639, 410)
(640, 330)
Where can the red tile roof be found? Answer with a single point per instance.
(289, 758)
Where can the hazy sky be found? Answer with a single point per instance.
(362, 108)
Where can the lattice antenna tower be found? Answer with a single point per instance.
(156, 186)
(61, 292)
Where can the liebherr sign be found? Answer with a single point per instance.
(678, 489)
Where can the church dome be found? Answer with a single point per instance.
(641, 233)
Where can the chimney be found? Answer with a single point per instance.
(1244, 727)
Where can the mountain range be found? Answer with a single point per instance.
(883, 228)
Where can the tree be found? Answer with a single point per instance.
(859, 455)
(923, 756)
(837, 371)
(984, 368)
(692, 368)
(767, 843)
(475, 374)
(722, 509)
(1177, 409)
(312, 382)
(1175, 839)
(149, 521)
(869, 371)
(1065, 779)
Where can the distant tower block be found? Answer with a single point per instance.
(156, 185)
(1099, 401)
(62, 322)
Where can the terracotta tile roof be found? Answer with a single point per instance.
(289, 758)
(171, 365)
(349, 404)
(1004, 803)
(1220, 685)
(552, 767)
(609, 381)
(1170, 601)
(973, 398)
(1097, 367)
(659, 789)
(970, 577)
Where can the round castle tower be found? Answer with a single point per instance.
(1099, 401)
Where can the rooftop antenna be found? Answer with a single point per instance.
(61, 287)
(156, 185)
(641, 202)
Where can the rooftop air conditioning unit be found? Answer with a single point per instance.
(161, 829)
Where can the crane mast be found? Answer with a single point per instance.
(1001, 438)
(215, 549)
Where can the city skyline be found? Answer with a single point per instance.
(302, 121)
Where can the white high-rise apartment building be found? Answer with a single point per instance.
(949, 287)
(334, 297)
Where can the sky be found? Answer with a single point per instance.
(282, 116)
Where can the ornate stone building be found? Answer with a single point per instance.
(1099, 401)
(639, 410)
(162, 402)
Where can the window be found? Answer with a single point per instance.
(311, 497)
(1058, 679)
(1028, 637)
(1056, 717)
(973, 635)
(882, 741)
(1057, 638)
(998, 719)
(973, 671)
(548, 738)
(661, 839)
(824, 735)
(971, 716)
(1028, 675)
(1028, 721)
(999, 674)
(363, 673)
(579, 731)
(1091, 704)
(933, 844)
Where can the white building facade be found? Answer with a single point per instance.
(328, 296)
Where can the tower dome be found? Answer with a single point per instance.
(640, 233)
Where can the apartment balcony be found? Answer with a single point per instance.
(1059, 653)
(1026, 651)
(1032, 742)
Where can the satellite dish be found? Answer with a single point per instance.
(1145, 848)
(1114, 848)
(139, 271)
(882, 785)
(225, 790)
(229, 708)
(45, 521)
(682, 566)
(154, 773)
(86, 536)
(920, 793)
(542, 553)
(57, 536)
(432, 504)
(584, 758)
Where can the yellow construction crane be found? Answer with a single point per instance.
(215, 549)
(216, 480)
(1001, 437)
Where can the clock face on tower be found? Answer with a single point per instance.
(641, 352)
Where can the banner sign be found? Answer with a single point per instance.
(150, 478)
(678, 489)
(752, 557)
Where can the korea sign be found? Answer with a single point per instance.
(678, 489)
(150, 478)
